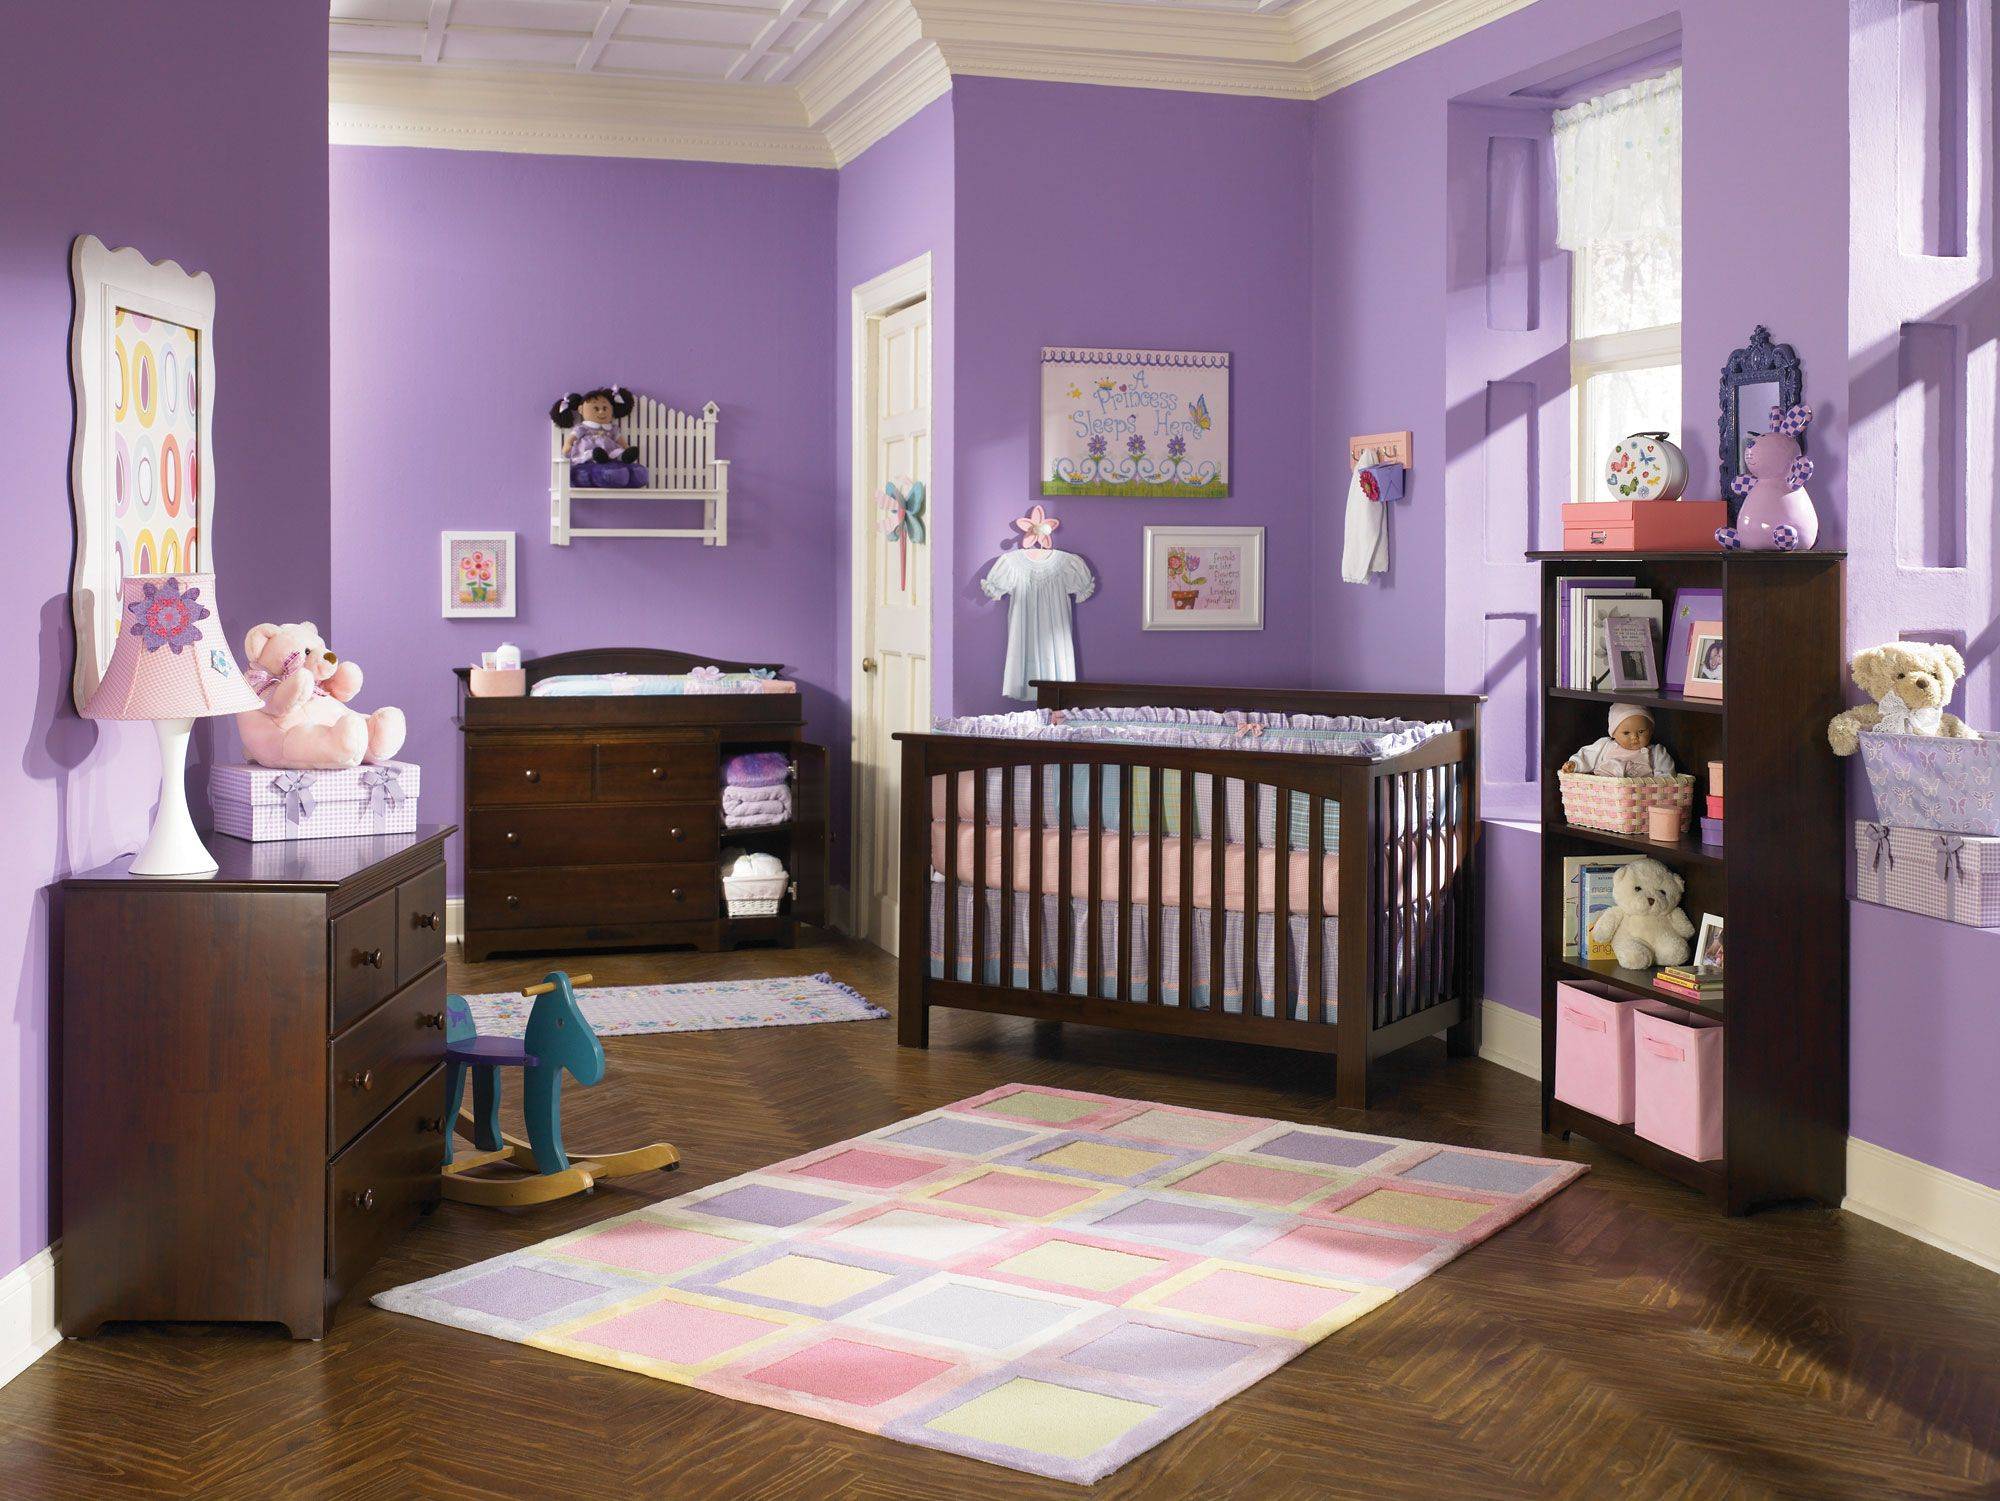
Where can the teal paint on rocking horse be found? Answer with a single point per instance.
(559, 1039)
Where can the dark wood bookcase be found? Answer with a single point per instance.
(1778, 879)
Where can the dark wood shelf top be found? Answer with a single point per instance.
(297, 864)
(1637, 983)
(1704, 1177)
(1702, 555)
(1688, 849)
(1673, 701)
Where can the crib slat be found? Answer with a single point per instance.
(979, 879)
(1093, 906)
(1065, 942)
(1035, 877)
(950, 862)
(1315, 910)
(1187, 891)
(1435, 833)
(1253, 802)
(1006, 875)
(1281, 904)
(1155, 884)
(1125, 883)
(1384, 856)
(1405, 880)
(1218, 854)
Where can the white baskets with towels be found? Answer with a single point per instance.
(753, 884)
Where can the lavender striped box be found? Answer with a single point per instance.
(263, 803)
(1711, 831)
(1932, 871)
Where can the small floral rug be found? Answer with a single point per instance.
(1040, 1278)
(707, 1006)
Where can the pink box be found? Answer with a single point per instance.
(1677, 1081)
(1594, 1051)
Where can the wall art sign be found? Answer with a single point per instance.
(142, 468)
(1135, 422)
(1204, 578)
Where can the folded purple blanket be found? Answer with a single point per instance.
(757, 769)
(756, 818)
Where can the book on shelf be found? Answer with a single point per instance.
(1566, 586)
(1586, 893)
(1584, 631)
(1689, 983)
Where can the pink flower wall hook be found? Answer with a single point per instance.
(1037, 528)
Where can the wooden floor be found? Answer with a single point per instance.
(1621, 1341)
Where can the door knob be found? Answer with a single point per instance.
(867, 664)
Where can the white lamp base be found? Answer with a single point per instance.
(173, 848)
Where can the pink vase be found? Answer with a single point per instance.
(1767, 509)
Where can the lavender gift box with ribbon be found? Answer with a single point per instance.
(1933, 871)
(1928, 782)
(262, 803)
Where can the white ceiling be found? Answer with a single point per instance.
(815, 82)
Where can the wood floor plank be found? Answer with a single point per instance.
(1623, 1340)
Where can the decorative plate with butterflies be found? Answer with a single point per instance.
(1135, 422)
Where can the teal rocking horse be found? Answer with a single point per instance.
(559, 1040)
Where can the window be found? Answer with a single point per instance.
(1618, 212)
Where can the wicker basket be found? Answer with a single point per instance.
(754, 896)
(1618, 805)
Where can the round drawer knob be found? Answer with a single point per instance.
(678, 835)
(513, 901)
(362, 1200)
(431, 920)
(363, 1080)
(431, 1125)
(659, 772)
(676, 893)
(532, 775)
(512, 837)
(432, 1019)
(372, 958)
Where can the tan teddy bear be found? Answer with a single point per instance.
(1911, 682)
(305, 723)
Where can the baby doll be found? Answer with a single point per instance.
(592, 420)
(1628, 751)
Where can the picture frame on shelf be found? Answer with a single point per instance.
(1705, 661)
(478, 575)
(1599, 612)
(1690, 605)
(1203, 578)
(1708, 942)
(1628, 644)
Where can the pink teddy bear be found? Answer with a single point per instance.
(305, 723)
(1777, 513)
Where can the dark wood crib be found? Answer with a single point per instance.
(1389, 860)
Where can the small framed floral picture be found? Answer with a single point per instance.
(1204, 578)
(478, 575)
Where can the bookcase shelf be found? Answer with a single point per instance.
(1778, 883)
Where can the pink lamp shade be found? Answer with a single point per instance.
(171, 659)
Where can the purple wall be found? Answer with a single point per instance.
(202, 138)
(467, 297)
(1130, 218)
(897, 201)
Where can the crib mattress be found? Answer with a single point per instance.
(656, 685)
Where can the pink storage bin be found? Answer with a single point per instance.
(1594, 1051)
(1677, 1081)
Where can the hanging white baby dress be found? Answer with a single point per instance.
(1039, 585)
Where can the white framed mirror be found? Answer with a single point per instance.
(142, 452)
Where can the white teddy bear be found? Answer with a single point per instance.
(1645, 925)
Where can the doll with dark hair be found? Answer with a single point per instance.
(593, 443)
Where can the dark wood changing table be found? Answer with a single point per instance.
(596, 823)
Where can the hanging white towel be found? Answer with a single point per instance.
(1366, 549)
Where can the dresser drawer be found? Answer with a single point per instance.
(525, 771)
(658, 771)
(374, 1061)
(377, 1187)
(578, 896)
(419, 924)
(638, 835)
(364, 959)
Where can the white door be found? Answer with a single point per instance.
(894, 673)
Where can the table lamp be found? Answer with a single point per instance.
(170, 664)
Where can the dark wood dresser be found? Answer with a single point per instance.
(252, 1088)
(597, 822)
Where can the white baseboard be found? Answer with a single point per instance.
(1510, 1038)
(1926, 1203)
(28, 1313)
(454, 919)
(1913, 1198)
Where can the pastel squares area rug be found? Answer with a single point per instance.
(1043, 1279)
(705, 1006)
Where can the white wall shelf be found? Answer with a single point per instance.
(678, 450)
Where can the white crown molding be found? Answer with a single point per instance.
(885, 63)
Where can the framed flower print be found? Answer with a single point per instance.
(478, 575)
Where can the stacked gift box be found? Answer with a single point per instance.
(1936, 846)
(1711, 823)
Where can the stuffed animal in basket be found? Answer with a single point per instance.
(305, 723)
(1644, 923)
(593, 442)
(1628, 751)
(1911, 682)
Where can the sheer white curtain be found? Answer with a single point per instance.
(1618, 211)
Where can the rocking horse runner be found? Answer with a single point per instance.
(558, 1040)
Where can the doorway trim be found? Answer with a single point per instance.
(870, 301)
